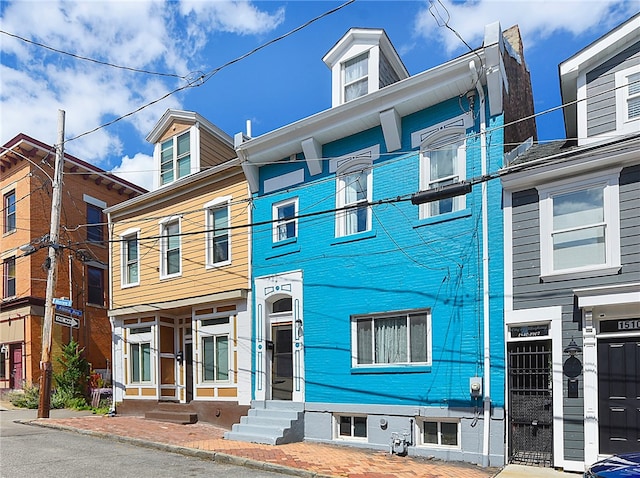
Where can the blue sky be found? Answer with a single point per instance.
(281, 83)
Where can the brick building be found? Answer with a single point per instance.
(26, 167)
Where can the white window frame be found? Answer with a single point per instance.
(355, 166)
(447, 137)
(210, 208)
(360, 79)
(7, 280)
(140, 338)
(164, 224)
(351, 437)
(222, 329)
(9, 216)
(439, 421)
(125, 237)
(373, 317)
(624, 124)
(609, 181)
(194, 153)
(278, 223)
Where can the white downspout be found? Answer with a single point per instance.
(485, 271)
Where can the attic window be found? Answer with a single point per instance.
(356, 77)
(633, 97)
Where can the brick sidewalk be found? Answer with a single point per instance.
(328, 460)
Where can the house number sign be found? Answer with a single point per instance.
(620, 325)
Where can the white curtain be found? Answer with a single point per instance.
(391, 340)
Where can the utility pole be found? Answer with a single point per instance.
(46, 371)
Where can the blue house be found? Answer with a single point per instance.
(379, 322)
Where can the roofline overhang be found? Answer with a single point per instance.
(187, 116)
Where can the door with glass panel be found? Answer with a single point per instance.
(282, 362)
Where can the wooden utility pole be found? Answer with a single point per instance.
(46, 371)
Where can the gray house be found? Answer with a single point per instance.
(572, 268)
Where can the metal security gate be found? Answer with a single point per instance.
(530, 403)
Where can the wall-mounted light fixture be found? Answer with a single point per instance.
(572, 349)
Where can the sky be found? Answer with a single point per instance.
(115, 67)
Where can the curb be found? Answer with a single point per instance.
(186, 451)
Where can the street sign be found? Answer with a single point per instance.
(68, 310)
(65, 302)
(66, 321)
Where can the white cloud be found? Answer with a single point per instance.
(136, 170)
(537, 19)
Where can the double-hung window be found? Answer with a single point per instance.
(10, 211)
(95, 219)
(442, 162)
(140, 354)
(355, 77)
(218, 232)
(627, 84)
(285, 223)
(9, 277)
(95, 286)
(130, 259)
(580, 225)
(175, 158)
(170, 247)
(353, 194)
(393, 338)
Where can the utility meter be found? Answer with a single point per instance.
(475, 387)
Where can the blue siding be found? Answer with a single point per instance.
(402, 263)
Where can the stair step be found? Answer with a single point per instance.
(180, 417)
(267, 421)
(279, 414)
(251, 438)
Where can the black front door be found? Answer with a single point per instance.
(282, 365)
(618, 395)
(188, 368)
(530, 403)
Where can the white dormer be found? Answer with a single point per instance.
(363, 61)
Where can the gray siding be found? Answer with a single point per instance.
(601, 105)
(529, 292)
(387, 74)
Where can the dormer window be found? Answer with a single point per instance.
(633, 96)
(356, 77)
(175, 158)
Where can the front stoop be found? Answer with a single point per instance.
(273, 422)
(172, 412)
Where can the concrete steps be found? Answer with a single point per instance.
(273, 422)
(172, 412)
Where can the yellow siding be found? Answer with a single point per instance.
(196, 279)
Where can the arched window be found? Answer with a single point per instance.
(282, 305)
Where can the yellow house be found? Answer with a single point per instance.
(180, 284)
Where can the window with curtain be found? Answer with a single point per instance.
(215, 358)
(9, 275)
(353, 195)
(401, 338)
(442, 163)
(356, 77)
(219, 233)
(140, 360)
(170, 248)
(130, 259)
(10, 211)
(284, 220)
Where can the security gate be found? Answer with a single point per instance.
(530, 403)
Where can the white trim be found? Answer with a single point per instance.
(623, 123)
(276, 220)
(457, 124)
(162, 225)
(217, 202)
(94, 201)
(344, 163)
(283, 181)
(124, 258)
(552, 316)
(356, 165)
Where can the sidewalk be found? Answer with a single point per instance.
(297, 459)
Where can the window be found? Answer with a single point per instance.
(355, 77)
(285, 224)
(282, 306)
(440, 433)
(627, 84)
(95, 286)
(351, 426)
(353, 194)
(218, 249)
(395, 338)
(9, 274)
(170, 247)
(579, 225)
(130, 259)
(175, 158)
(140, 359)
(215, 358)
(633, 96)
(95, 230)
(442, 162)
(10, 211)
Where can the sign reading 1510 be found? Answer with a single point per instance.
(619, 325)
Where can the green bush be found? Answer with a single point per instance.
(28, 397)
(73, 379)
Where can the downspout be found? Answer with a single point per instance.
(485, 270)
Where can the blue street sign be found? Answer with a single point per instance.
(69, 310)
(65, 302)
